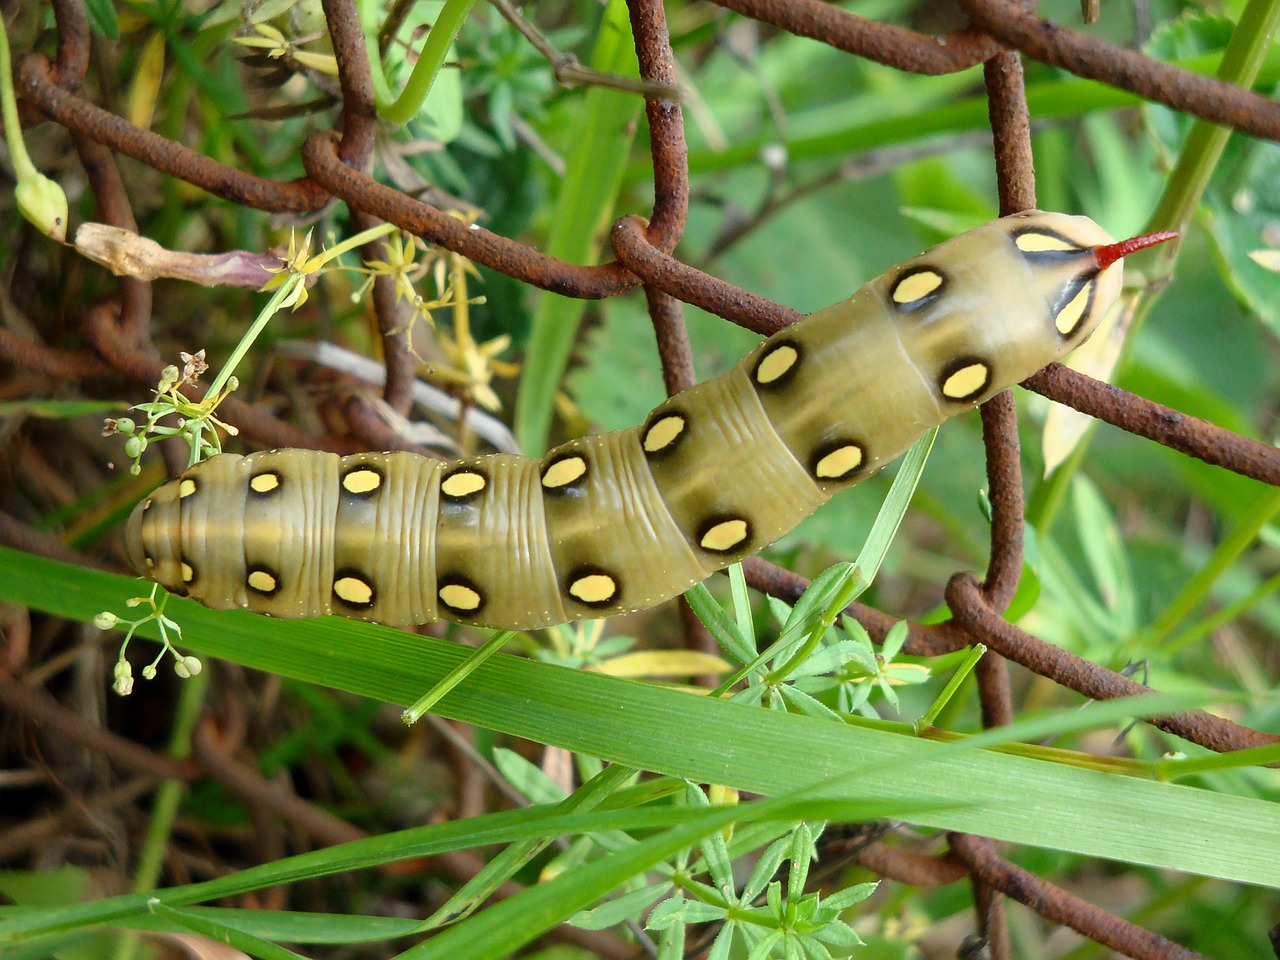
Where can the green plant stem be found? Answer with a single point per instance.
(1223, 557)
(430, 59)
(518, 853)
(168, 796)
(284, 294)
(18, 155)
(285, 290)
(1241, 63)
(1225, 615)
(925, 721)
(413, 713)
(1176, 768)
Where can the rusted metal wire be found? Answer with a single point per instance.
(40, 709)
(1015, 182)
(1004, 491)
(1094, 58)
(967, 603)
(72, 60)
(1145, 418)
(988, 907)
(359, 119)
(392, 316)
(38, 87)
(22, 536)
(114, 208)
(665, 272)
(673, 340)
(907, 867)
(1062, 907)
(1011, 132)
(38, 358)
(881, 42)
(321, 160)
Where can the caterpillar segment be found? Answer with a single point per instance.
(625, 520)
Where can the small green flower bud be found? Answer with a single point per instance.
(105, 620)
(123, 686)
(149, 672)
(134, 446)
(126, 425)
(44, 204)
(187, 667)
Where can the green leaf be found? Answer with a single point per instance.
(102, 18)
(647, 727)
(604, 129)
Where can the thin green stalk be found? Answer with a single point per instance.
(1176, 768)
(39, 199)
(1241, 62)
(168, 797)
(1227, 614)
(18, 155)
(282, 293)
(518, 853)
(925, 721)
(430, 59)
(455, 676)
(285, 293)
(1223, 557)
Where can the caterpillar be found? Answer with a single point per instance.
(622, 521)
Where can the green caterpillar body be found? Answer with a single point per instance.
(625, 520)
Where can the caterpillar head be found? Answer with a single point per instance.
(988, 308)
(1076, 265)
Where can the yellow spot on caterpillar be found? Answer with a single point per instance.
(564, 472)
(839, 462)
(916, 286)
(1032, 242)
(150, 561)
(1069, 317)
(663, 433)
(724, 536)
(146, 504)
(362, 481)
(261, 581)
(187, 573)
(594, 588)
(459, 597)
(264, 482)
(966, 382)
(186, 487)
(776, 363)
(353, 590)
(463, 484)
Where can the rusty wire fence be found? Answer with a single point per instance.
(118, 339)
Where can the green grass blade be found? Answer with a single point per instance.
(603, 133)
(1013, 798)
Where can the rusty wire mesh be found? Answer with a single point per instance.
(120, 347)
